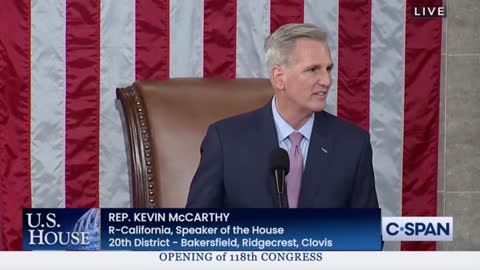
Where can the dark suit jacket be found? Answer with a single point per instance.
(234, 165)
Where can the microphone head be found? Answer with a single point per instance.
(279, 160)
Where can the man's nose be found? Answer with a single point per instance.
(325, 79)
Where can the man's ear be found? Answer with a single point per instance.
(278, 77)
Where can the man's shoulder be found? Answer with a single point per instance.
(344, 127)
(240, 121)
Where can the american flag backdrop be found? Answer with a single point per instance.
(61, 139)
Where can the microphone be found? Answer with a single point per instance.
(279, 167)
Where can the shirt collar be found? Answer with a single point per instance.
(284, 129)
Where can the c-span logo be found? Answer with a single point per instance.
(417, 228)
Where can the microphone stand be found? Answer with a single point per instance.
(280, 183)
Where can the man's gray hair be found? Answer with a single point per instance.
(279, 45)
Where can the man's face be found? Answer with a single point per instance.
(305, 82)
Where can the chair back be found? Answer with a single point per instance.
(166, 122)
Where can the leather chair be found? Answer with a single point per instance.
(166, 122)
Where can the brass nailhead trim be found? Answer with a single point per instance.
(143, 124)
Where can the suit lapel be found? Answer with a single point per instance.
(317, 160)
(266, 143)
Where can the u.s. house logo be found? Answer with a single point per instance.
(61, 229)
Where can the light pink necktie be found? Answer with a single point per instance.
(294, 177)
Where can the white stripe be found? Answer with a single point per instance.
(386, 104)
(48, 103)
(148, 260)
(253, 27)
(117, 65)
(186, 38)
(325, 16)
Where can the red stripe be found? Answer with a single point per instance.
(421, 118)
(354, 28)
(82, 103)
(285, 11)
(152, 19)
(219, 38)
(14, 120)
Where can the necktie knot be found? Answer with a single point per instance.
(295, 138)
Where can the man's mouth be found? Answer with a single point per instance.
(322, 94)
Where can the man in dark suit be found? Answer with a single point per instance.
(330, 159)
